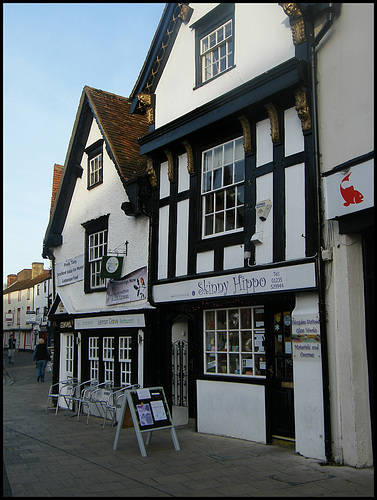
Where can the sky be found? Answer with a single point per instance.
(50, 52)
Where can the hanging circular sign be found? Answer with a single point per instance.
(112, 265)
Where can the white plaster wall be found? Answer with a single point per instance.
(346, 130)
(263, 40)
(231, 409)
(308, 391)
(264, 188)
(348, 369)
(205, 261)
(293, 136)
(91, 204)
(295, 211)
(233, 257)
(346, 86)
(182, 237)
(264, 142)
(183, 175)
(163, 242)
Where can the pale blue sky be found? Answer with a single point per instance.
(50, 52)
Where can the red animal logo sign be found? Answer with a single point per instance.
(349, 193)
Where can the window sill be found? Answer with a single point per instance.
(214, 77)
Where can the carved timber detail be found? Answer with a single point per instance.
(296, 21)
(303, 110)
(151, 172)
(246, 133)
(274, 123)
(169, 156)
(190, 157)
(146, 105)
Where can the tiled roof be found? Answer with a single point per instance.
(120, 129)
(28, 283)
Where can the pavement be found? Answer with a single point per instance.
(46, 455)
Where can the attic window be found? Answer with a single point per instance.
(214, 35)
(216, 51)
(95, 165)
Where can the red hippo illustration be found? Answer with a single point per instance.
(349, 193)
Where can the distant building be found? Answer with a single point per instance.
(26, 301)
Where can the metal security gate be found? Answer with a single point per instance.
(179, 373)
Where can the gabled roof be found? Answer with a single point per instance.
(120, 132)
(28, 283)
(172, 17)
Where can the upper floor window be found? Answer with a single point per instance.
(28, 294)
(216, 51)
(214, 35)
(19, 295)
(96, 248)
(223, 174)
(95, 164)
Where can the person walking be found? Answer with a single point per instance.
(11, 348)
(40, 357)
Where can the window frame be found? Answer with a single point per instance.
(246, 352)
(92, 228)
(211, 22)
(220, 201)
(94, 151)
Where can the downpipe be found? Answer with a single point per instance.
(321, 275)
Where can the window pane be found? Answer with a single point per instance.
(219, 221)
(212, 40)
(228, 152)
(239, 171)
(230, 198)
(219, 201)
(217, 181)
(238, 149)
(228, 29)
(209, 203)
(208, 228)
(230, 220)
(218, 157)
(228, 175)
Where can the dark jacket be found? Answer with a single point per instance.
(12, 343)
(41, 352)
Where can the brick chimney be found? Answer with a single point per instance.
(11, 278)
(58, 171)
(36, 269)
(25, 274)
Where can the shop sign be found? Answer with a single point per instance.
(131, 288)
(70, 271)
(125, 321)
(9, 317)
(231, 285)
(349, 191)
(306, 337)
(31, 317)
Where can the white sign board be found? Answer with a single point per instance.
(70, 271)
(349, 191)
(306, 336)
(124, 321)
(231, 285)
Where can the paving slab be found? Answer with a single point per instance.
(46, 455)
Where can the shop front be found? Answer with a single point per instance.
(102, 346)
(253, 363)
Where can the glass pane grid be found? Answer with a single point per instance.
(216, 51)
(233, 343)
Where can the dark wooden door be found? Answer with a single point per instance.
(281, 380)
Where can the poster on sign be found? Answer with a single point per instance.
(130, 288)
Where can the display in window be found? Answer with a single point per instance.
(234, 341)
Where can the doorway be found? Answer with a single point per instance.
(281, 377)
(179, 351)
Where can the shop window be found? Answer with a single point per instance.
(125, 360)
(234, 342)
(223, 175)
(108, 358)
(94, 358)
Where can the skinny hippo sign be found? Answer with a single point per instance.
(231, 285)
